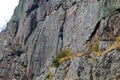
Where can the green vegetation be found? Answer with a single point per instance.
(115, 45)
(61, 55)
(56, 62)
(95, 47)
(48, 76)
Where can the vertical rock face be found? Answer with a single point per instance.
(39, 29)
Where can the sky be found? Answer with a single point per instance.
(6, 11)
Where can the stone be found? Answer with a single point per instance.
(5, 43)
(23, 60)
(1, 56)
(39, 29)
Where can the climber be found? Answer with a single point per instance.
(61, 33)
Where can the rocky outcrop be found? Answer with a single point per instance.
(40, 29)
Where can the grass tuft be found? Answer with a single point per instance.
(61, 55)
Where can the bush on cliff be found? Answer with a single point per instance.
(61, 54)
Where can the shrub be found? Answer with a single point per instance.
(64, 53)
(56, 62)
(61, 54)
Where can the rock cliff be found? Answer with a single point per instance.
(62, 40)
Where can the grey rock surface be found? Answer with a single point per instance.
(40, 29)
